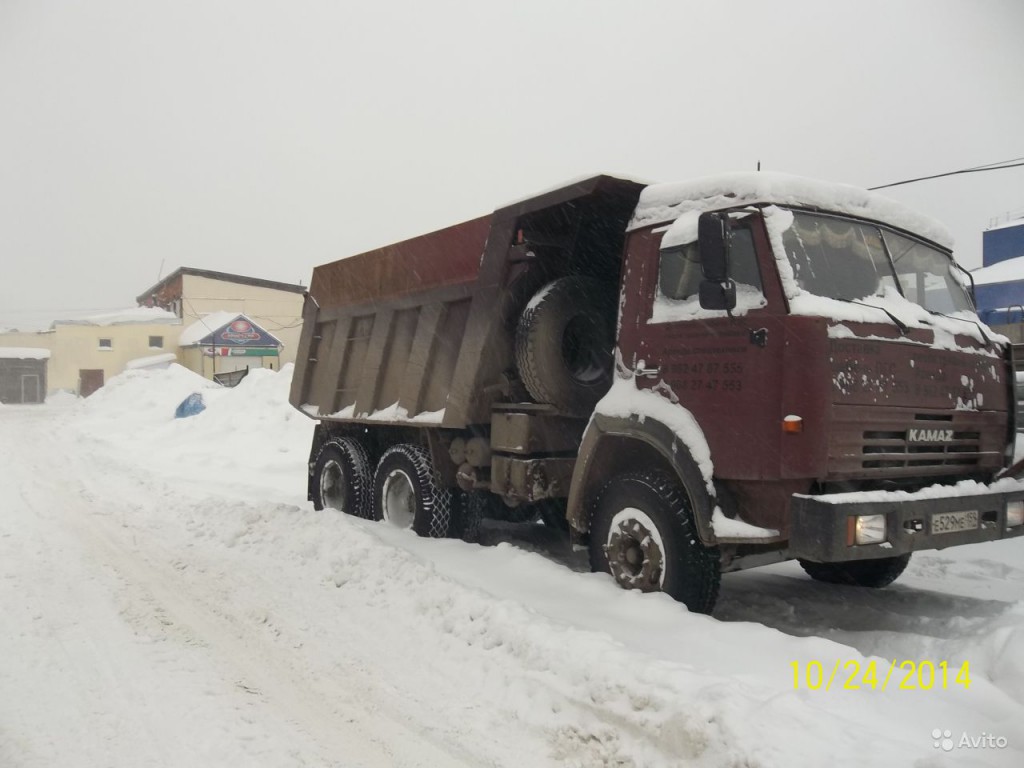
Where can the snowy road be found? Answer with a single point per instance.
(168, 598)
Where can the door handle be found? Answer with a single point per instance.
(649, 373)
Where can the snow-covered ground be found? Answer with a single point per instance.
(169, 598)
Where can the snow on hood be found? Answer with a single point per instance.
(666, 202)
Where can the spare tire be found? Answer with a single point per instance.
(564, 341)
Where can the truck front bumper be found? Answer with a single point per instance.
(823, 527)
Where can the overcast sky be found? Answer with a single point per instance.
(263, 137)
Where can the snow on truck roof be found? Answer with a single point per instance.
(661, 203)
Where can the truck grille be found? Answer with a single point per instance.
(897, 442)
(893, 449)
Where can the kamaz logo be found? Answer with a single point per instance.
(929, 435)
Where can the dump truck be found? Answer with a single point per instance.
(691, 379)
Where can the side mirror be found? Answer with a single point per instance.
(718, 295)
(717, 291)
(713, 243)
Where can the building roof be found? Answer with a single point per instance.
(1014, 222)
(1009, 271)
(24, 353)
(130, 316)
(223, 276)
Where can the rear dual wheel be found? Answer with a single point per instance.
(403, 490)
(342, 477)
(407, 494)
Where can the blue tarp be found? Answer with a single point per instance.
(190, 406)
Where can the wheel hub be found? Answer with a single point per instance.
(399, 498)
(634, 556)
(333, 491)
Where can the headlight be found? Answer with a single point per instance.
(1014, 513)
(869, 529)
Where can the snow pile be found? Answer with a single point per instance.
(256, 437)
(62, 398)
(137, 399)
(151, 361)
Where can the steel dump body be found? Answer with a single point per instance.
(417, 332)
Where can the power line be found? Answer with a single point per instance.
(976, 169)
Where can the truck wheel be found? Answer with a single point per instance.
(341, 477)
(563, 343)
(642, 532)
(406, 492)
(877, 573)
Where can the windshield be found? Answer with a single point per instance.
(847, 260)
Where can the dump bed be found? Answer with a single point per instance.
(421, 331)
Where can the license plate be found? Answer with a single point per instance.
(950, 522)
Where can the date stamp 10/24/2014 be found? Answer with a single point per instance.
(875, 675)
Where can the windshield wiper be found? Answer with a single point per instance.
(981, 329)
(904, 328)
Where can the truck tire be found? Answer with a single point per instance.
(475, 508)
(876, 573)
(563, 343)
(642, 532)
(341, 477)
(406, 492)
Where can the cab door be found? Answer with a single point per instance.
(725, 368)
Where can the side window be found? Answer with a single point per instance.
(743, 260)
(679, 271)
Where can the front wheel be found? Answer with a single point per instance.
(406, 492)
(877, 573)
(642, 533)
